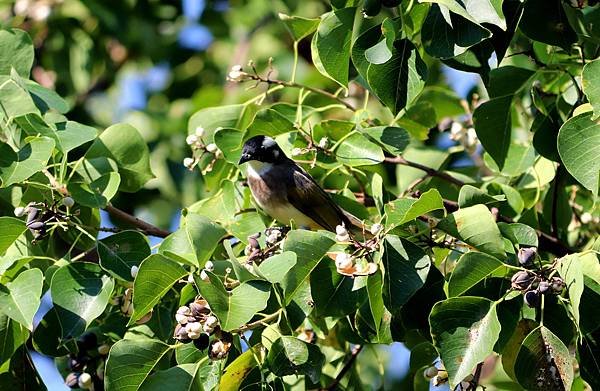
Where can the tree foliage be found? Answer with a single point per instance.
(483, 251)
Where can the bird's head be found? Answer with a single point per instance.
(262, 149)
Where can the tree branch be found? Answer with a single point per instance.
(353, 354)
(428, 170)
(143, 226)
(293, 84)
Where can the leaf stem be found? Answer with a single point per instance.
(353, 354)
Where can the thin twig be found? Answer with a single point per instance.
(294, 84)
(143, 226)
(353, 354)
(259, 323)
(428, 170)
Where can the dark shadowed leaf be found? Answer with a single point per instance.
(406, 267)
(80, 292)
(119, 252)
(290, 355)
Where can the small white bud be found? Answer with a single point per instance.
(376, 228)
(181, 319)
(456, 131)
(341, 230)
(218, 348)
(193, 327)
(190, 279)
(183, 310)
(19, 211)
(85, 381)
(211, 321)
(68, 202)
(194, 335)
(585, 218)
(323, 142)
(212, 147)
(208, 329)
(134, 271)
(272, 237)
(188, 162)
(209, 266)
(204, 276)
(471, 137)
(296, 151)
(191, 139)
(199, 131)
(430, 372)
(343, 261)
(236, 68)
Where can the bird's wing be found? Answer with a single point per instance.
(309, 198)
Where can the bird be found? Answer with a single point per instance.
(285, 191)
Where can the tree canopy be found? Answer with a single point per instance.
(133, 254)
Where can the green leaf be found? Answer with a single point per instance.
(46, 99)
(357, 150)
(520, 234)
(212, 118)
(570, 270)
(309, 247)
(405, 270)
(507, 80)
(447, 34)
(10, 230)
(492, 121)
(15, 99)
(155, 277)
(471, 269)
(477, 11)
(194, 242)
(579, 149)
(32, 158)
(475, 226)
(236, 372)
(80, 292)
(125, 145)
(464, 331)
(67, 135)
(179, 378)
(276, 267)
(119, 252)
(330, 45)
(590, 81)
(229, 142)
(130, 361)
(96, 194)
(333, 293)
(544, 362)
(298, 26)
(588, 351)
(471, 195)
(269, 123)
(236, 307)
(20, 298)
(399, 81)
(16, 51)
(382, 52)
(404, 210)
(12, 335)
(290, 355)
(392, 138)
(553, 28)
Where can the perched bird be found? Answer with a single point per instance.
(285, 191)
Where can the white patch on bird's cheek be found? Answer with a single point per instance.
(268, 142)
(257, 169)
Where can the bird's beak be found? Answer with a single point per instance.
(244, 158)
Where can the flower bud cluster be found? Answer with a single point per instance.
(534, 286)
(196, 323)
(87, 365)
(196, 143)
(464, 135)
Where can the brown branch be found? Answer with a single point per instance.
(141, 225)
(353, 354)
(428, 170)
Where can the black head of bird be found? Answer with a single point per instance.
(285, 191)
